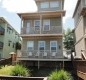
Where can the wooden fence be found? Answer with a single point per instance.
(5, 61)
(80, 68)
(21, 78)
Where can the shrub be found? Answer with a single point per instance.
(16, 70)
(60, 75)
(19, 70)
(6, 70)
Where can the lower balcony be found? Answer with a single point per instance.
(45, 55)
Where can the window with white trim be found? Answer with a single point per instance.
(46, 25)
(30, 45)
(53, 46)
(54, 4)
(45, 5)
(37, 24)
(41, 45)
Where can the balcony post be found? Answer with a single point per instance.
(40, 23)
(38, 64)
(21, 25)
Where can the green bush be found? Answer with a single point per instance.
(6, 70)
(19, 70)
(60, 75)
(16, 70)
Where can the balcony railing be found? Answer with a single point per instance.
(1, 45)
(46, 54)
(32, 30)
(2, 30)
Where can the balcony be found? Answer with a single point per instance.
(40, 55)
(53, 30)
(2, 31)
(1, 45)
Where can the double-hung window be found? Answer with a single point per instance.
(41, 45)
(46, 25)
(37, 24)
(30, 45)
(45, 5)
(53, 46)
(54, 4)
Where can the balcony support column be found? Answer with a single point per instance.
(40, 23)
(21, 25)
(38, 64)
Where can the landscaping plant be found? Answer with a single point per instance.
(17, 70)
(60, 75)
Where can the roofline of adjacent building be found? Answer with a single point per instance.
(63, 11)
(4, 20)
(76, 7)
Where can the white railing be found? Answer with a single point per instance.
(32, 30)
(46, 54)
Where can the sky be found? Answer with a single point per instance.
(9, 8)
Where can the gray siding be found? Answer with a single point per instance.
(81, 5)
(47, 45)
(49, 9)
(55, 27)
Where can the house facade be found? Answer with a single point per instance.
(42, 32)
(8, 38)
(80, 28)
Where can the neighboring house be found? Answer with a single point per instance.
(8, 38)
(42, 32)
(80, 28)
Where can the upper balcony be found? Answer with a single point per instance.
(1, 45)
(2, 30)
(41, 23)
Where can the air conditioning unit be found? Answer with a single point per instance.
(45, 54)
(30, 54)
(53, 53)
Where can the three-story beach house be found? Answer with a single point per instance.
(42, 32)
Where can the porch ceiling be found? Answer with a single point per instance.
(44, 14)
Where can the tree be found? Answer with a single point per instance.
(68, 39)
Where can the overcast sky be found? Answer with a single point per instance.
(9, 8)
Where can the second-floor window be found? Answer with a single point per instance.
(37, 24)
(41, 45)
(45, 5)
(30, 45)
(54, 4)
(46, 25)
(53, 46)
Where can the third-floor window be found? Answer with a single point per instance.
(54, 4)
(45, 5)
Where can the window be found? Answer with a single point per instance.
(45, 5)
(13, 45)
(53, 46)
(46, 25)
(9, 43)
(28, 27)
(41, 45)
(30, 45)
(54, 4)
(37, 24)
